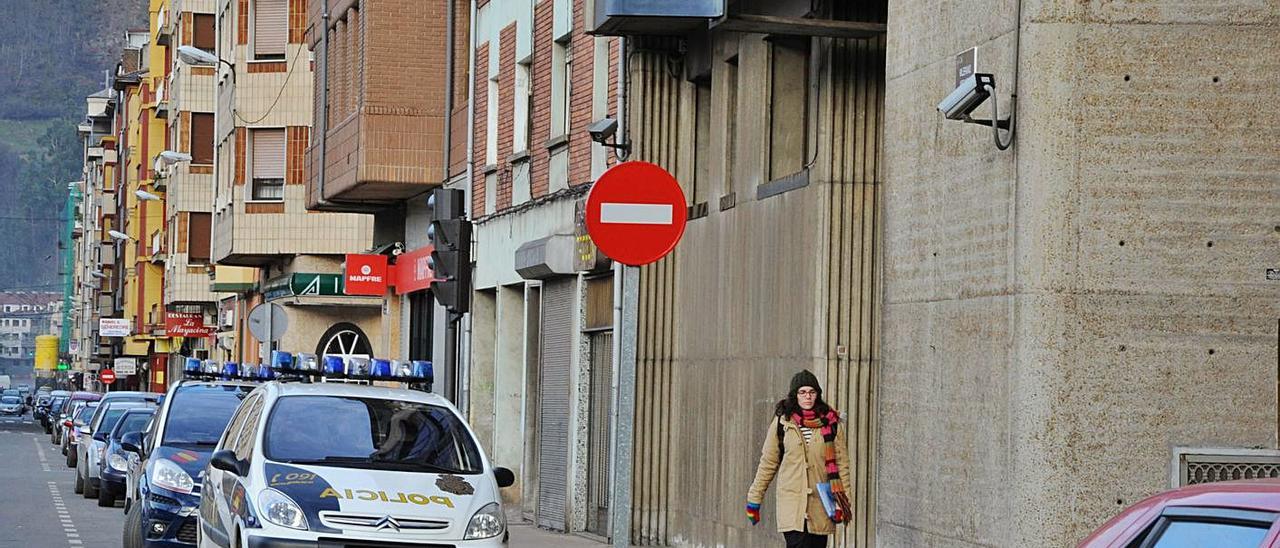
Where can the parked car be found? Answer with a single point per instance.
(1229, 514)
(115, 461)
(89, 452)
(12, 405)
(57, 432)
(318, 463)
(48, 413)
(162, 491)
(73, 428)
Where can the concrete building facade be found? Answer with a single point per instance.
(1062, 318)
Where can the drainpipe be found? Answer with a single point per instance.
(622, 153)
(323, 122)
(448, 92)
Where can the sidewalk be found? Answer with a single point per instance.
(526, 535)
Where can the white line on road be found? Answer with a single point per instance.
(639, 214)
(68, 525)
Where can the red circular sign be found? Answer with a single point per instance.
(636, 213)
(107, 376)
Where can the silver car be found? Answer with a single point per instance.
(93, 441)
(12, 405)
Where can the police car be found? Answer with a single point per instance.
(163, 483)
(325, 463)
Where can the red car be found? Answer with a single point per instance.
(1230, 514)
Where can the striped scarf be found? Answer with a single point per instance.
(826, 424)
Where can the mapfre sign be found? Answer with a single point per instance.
(365, 275)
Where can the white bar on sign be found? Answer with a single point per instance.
(637, 214)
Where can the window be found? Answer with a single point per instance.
(249, 432)
(199, 234)
(421, 321)
(702, 156)
(270, 28)
(204, 35)
(731, 124)
(491, 121)
(520, 142)
(374, 433)
(268, 164)
(559, 89)
(788, 106)
(201, 138)
(199, 414)
(1191, 534)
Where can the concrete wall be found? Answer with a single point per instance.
(1058, 316)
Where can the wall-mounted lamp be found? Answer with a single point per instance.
(118, 235)
(146, 196)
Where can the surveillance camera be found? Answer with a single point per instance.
(603, 130)
(971, 92)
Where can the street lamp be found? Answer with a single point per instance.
(118, 235)
(97, 274)
(197, 57)
(170, 157)
(146, 196)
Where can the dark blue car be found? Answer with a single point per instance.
(162, 507)
(115, 464)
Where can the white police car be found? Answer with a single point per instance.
(335, 464)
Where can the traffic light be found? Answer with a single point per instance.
(450, 237)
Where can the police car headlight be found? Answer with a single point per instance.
(279, 509)
(117, 462)
(169, 475)
(487, 523)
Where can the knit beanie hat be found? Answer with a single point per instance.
(803, 378)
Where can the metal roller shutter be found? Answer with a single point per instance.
(270, 28)
(554, 403)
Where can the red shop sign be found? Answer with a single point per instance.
(185, 324)
(365, 275)
(413, 271)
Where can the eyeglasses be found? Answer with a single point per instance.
(806, 392)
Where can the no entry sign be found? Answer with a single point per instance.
(107, 376)
(636, 213)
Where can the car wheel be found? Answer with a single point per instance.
(90, 492)
(133, 527)
(106, 498)
(79, 483)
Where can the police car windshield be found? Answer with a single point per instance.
(369, 433)
(200, 413)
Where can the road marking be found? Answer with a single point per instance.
(639, 214)
(68, 525)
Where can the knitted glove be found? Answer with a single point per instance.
(753, 513)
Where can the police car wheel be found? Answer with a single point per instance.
(133, 527)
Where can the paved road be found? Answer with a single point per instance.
(38, 504)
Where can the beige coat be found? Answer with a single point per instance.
(801, 469)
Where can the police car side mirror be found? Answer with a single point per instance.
(505, 477)
(226, 461)
(131, 442)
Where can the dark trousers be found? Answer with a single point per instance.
(805, 539)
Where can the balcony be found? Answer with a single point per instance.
(256, 233)
(384, 138)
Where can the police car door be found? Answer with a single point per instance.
(228, 494)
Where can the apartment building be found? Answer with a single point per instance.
(391, 102)
(262, 129)
(93, 286)
(23, 317)
(141, 209)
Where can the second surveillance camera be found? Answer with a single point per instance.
(971, 92)
(603, 130)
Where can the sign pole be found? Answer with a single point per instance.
(627, 284)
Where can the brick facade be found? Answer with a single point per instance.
(481, 108)
(581, 96)
(506, 110)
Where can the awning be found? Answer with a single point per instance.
(136, 347)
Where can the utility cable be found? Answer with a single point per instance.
(283, 86)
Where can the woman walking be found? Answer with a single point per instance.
(804, 450)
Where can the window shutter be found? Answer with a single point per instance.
(270, 27)
(201, 138)
(268, 154)
(204, 36)
(199, 235)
